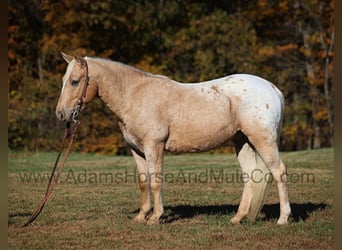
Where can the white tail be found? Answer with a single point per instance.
(263, 180)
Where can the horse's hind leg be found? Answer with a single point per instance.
(268, 150)
(253, 193)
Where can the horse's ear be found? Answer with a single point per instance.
(67, 58)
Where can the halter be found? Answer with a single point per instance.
(76, 111)
(75, 114)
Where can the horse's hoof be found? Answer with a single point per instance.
(139, 219)
(153, 221)
(235, 221)
(282, 221)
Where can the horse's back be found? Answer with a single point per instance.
(247, 91)
(250, 98)
(243, 83)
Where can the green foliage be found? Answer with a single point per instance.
(215, 45)
(288, 42)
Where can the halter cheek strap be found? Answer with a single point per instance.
(77, 109)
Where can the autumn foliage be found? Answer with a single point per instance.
(289, 42)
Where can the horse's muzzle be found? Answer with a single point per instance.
(62, 116)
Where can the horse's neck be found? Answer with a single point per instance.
(114, 80)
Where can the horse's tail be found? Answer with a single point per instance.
(282, 99)
(281, 111)
(260, 188)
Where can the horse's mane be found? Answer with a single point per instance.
(132, 68)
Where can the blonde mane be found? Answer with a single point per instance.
(129, 67)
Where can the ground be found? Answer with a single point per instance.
(97, 196)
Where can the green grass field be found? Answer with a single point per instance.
(97, 196)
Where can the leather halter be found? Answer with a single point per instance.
(77, 109)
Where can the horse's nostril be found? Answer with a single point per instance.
(60, 115)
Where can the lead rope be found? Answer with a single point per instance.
(54, 180)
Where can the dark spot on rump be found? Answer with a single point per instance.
(214, 88)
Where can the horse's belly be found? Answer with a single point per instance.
(197, 138)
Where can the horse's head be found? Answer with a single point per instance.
(73, 88)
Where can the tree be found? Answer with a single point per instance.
(289, 42)
(297, 43)
(317, 30)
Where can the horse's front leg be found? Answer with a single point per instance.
(144, 184)
(154, 156)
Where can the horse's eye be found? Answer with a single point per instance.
(74, 82)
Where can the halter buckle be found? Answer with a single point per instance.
(76, 112)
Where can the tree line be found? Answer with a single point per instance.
(288, 42)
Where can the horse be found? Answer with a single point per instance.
(158, 114)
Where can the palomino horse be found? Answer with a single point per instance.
(156, 113)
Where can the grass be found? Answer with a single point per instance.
(93, 205)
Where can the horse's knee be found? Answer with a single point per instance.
(156, 187)
(144, 186)
(156, 182)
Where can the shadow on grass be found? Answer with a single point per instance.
(12, 216)
(300, 212)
